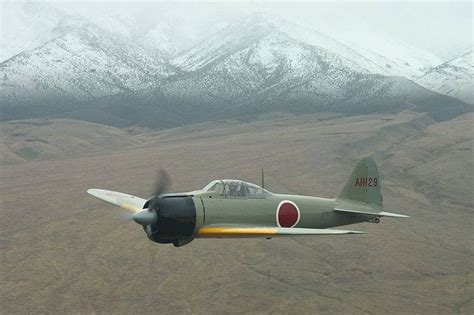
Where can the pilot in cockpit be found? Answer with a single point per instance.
(241, 191)
(232, 190)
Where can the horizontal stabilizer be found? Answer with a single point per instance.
(378, 214)
(126, 201)
(242, 231)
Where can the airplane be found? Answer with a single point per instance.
(228, 208)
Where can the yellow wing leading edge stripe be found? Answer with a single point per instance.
(235, 231)
(229, 231)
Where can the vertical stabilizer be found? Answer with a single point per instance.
(364, 184)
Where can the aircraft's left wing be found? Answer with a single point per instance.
(242, 231)
(126, 201)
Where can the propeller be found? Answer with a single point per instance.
(162, 184)
(148, 217)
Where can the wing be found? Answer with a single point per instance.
(255, 232)
(122, 200)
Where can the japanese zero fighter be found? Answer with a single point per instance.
(230, 208)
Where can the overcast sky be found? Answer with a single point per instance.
(443, 28)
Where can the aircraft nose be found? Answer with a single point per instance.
(145, 217)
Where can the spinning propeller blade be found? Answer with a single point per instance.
(162, 184)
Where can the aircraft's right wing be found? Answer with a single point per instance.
(227, 231)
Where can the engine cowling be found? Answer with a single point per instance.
(176, 220)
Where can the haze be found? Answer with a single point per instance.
(443, 28)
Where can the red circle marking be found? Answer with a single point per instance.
(288, 215)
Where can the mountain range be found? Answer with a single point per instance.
(82, 61)
(256, 65)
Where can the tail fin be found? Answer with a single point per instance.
(364, 184)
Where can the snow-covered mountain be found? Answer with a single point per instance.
(27, 25)
(391, 56)
(398, 56)
(258, 64)
(83, 61)
(454, 78)
(255, 59)
(258, 26)
(261, 59)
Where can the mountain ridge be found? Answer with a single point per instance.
(261, 24)
(453, 78)
(255, 66)
(82, 61)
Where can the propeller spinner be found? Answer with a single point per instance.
(145, 217)
(149, 216)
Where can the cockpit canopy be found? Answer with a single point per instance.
(236, 189)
